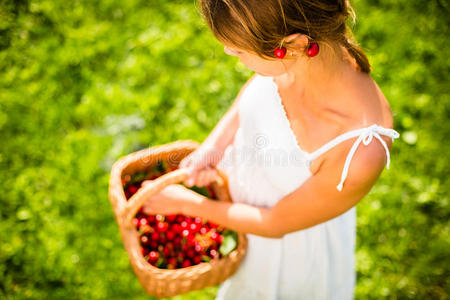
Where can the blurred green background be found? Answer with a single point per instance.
(85, 82)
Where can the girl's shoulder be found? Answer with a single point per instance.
(374, 108)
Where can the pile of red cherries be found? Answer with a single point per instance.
(177, 241)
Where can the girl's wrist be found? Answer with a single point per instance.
(216, 144)
(192, 200)
(214, 152)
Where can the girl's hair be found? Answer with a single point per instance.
(259, 26)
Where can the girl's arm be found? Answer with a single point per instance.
(212, 150)
(223, 133)
(315, 201)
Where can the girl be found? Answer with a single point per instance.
(304, 141)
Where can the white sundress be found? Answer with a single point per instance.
(264, 164)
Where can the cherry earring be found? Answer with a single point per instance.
(313, 49)
(281, 51)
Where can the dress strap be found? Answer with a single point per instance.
(365, 135)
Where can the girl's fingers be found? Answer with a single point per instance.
(185, 162)
(145, 182)
(207, 176)
(147, 209)
(214, 175)
(201, 178)
(192, 178)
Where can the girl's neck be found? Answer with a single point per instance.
(322, 78)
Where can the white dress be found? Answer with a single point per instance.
(264, 164)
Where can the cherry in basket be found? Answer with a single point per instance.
(177, 241)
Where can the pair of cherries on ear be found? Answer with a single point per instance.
(312, 50)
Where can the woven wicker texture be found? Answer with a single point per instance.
(166, 282)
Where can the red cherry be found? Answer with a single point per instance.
(210, 190)
(216, 237)
(186, 263)
(313, 49)
(162, 226)
(143, 221)
(203, 230)
(190, 253)
(191, 240)
(166, 251)
(179, 218)
(177, 241)
(144, 251)
(170, 235)
(151, 219)
(188, 219)
(197, 259)
(145, 240)
(136, 222)
(132, 189)
(172, 262)
(194, 227)
(213, 195)
(153, 256)
(155, 236)
(213, 253)
(185, 233)
(198, 248)
(154, 245)
(177, 228)
(162, 239)
(198, 220)
(184, 225)
(171, 218)
(280, 52)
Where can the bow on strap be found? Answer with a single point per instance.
(366, 137)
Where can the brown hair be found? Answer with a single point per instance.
(260, 26)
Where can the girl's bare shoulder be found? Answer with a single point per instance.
(368, 104)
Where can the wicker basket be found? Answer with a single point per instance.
(166, 282)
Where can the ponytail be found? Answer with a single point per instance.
(353, 49)
(359, 55)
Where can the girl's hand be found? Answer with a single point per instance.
(169, 200)
(201, 163)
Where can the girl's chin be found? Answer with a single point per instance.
(265, 74)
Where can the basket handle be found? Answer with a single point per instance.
(155, 186)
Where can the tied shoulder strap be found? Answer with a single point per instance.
(365, 135)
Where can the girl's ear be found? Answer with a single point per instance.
(297, 40)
